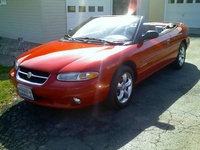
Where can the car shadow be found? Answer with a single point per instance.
(26, 126)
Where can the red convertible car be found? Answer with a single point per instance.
(100, 60)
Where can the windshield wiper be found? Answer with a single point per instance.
(68, 37)
(87, 39)
(91, 40)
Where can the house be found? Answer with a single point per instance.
(37, 21)
(186, 11)
(40, 21)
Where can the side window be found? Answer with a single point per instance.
(171, 1)
(180, 1)
(91, 8)
(71, 9)
(100, 8)
(82, 9)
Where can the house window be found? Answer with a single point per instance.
(179, 1)
(82, 9)
(171, 1)
(100, 8)
(71, 9)
(91, 8)
(189, 1)
(197, 1)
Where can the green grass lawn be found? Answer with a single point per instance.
(7, 90)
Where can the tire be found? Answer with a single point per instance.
(180, 59)
(121, 89)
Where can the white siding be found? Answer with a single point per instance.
(21, 18)
(157, 15)
(54, 19)
(187, 13)
(143, 8)
(75, 18)
(36, 21)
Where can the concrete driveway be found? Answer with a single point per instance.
(163, 115)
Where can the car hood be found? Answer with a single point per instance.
(56, 55)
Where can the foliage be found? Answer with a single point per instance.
(6, 88)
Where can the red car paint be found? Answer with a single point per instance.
(60, 56)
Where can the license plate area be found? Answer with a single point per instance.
(25, 91)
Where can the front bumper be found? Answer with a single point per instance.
(63, 94)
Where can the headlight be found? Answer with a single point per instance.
(77, 76)
(16, 65)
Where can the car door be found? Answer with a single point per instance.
(175, 41)
(153, 54)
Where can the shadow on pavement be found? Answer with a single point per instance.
(26, 126)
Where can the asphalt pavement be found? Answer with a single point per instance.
(163, 115)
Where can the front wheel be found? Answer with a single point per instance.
(121, 88)
(180, 59)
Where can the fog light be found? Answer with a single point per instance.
(77, 101)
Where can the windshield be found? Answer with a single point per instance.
(110, 29)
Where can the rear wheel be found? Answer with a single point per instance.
(121, 88)
(180, 59)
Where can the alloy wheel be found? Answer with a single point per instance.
(124, 88)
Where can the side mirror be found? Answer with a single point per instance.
(151, 34)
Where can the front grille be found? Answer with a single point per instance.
(32, 76)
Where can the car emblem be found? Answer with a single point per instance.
(29, 75)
